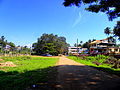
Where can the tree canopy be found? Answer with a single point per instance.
(4, 42)
(116, 30)
(110, 7)
(107, 30)
(87, 44)
(50, 43)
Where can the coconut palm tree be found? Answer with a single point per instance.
(81, 42)
(107, 31)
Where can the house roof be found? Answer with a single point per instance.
(98, 41)
(74, 47)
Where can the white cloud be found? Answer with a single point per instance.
(77, 20)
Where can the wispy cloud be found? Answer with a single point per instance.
(78, 19)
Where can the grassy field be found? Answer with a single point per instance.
(103, 67)
(28, 71)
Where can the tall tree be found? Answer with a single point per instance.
(2, 42)
(2, 38)
(116, 29)
(107, 31)
(89, 41)
(112, 37)
(50, 43)
(75, 45)
(81, 42)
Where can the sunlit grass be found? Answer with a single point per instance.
(28, 70)
(104, 67)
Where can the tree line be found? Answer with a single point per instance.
(47, 43)
(9, 48)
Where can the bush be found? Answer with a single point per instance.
(98, 58)
(110, 60)
(97, 63)
(101, 60)
(113, 61)
(70, 54)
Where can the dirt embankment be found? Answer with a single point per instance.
(7, 64)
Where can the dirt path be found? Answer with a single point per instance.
(76, 76)
(71, 75)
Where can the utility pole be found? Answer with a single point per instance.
(77, 47)
(30, 50)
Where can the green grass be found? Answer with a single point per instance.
(103, 67)
(28, 71)
(77, 59)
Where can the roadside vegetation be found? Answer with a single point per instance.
(101, 62)
(26, 72)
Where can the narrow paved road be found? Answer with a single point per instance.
(76, 76)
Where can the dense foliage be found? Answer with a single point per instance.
(116, 30)
(110, 7)
(52, 44)
(28, 71)
(87, 44)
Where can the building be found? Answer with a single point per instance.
(76, 50)
(103, 46)
(114, 50)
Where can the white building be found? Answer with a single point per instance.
(103, 46)
(76, 50)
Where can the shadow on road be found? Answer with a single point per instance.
(63, 77)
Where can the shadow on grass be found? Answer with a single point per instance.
(24, 81)
(108, 70)
(64, 77)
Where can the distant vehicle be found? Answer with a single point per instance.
(47, 54)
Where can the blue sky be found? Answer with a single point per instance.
(23, 21)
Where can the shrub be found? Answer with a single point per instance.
(70, 54)
(116, 64)
(110, 60)
(97, 63)
(83, 57)
(113, 61)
